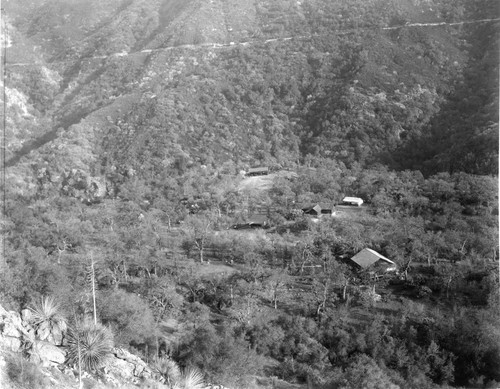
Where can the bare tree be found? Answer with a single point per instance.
(276, 285)
(198, 230)
(91, 281)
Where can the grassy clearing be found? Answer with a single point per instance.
(261, 183)
(214, 268)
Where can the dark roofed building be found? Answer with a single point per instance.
(368, 258)
(326, 209)
(257, 221)
(258, 171)
(318, 209)
(314, 210)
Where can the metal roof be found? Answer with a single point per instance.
(353, 200)
(367, 257)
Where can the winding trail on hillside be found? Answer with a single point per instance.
(52, 134)
(214, 45)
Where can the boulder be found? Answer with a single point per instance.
(3, 312)
(12, 331)
(140, 368)
(26, 315)
(12, 344)
(56, 336)
(120, 368)
(47, 353)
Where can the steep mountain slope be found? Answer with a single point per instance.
(170, 83)
(464, 135)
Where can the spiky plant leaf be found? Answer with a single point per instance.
(168, 369)
(192, 379)
(93, 344)
(47, 318)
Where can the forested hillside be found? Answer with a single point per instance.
(129, 125)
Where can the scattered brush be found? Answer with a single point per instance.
(24, 373)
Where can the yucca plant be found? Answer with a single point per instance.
(191, 379)
(168, 369)
(89, 345)
(48, 320)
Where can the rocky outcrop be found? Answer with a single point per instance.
(47, 353)
(18, 336)
(13, 331)
(130, 364)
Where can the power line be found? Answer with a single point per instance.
(214, 45)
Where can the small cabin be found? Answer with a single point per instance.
(252, 223)
(319, 210)
(370, 259)
(352, 201)
(258, 171)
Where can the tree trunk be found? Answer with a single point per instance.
(80, 382)
(93, 288)
(157, 345)
(448, 287)
(200, 247)
(125, 271)
(321, 307)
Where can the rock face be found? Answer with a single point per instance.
(128, 366)
(47, 353)
(12, 330)
(119, 368)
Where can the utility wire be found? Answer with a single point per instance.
(214, 45)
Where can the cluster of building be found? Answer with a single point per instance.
(366, 259)
(320, 209)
